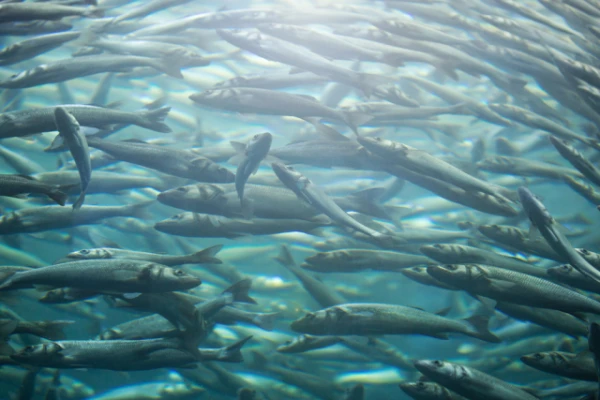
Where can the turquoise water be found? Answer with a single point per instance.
(461, 56)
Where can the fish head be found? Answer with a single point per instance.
(290, 177)
(259, 145)
(324, 258)
(312, 322)
(201, 193)
(240, 38)
(289, 345)
(212, 97)
(542, 359)
(442, 370)
(437, 251)
(456, 274)
(534, 208)
(38, 353)
(87, 254)
(172, 224)
(167, 278)
(561, 271)
(415, 272)
(422, 389)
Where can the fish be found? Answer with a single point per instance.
(39, 219)
(30, 48)
(120, 276)
(254, 152)
(37, 120)
(68, 69)
(27, 12)
(181, 163)
(18, 185)
(69, 130)
(354, 260)
(206, 225)
(386, 319)
(462, 254)
(271, 102)
(205, 256)
(470, 382)
(313, 195)
(575, 366)
(275, 49)
(542, 220)
(513, 287)
(423, 163)
(120, 355)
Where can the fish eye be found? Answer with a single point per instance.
(451, 267)
(178, 272)
(438, 363)
(29, 349)
(538, 356)
(420, 385)
(85, 251)
(584, 251)
(208, 91)
(255, 136)
(182, 189)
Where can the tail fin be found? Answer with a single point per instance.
(285, 257)
(5, 350)
(58, 196)
(356, 392)
(168, 66)
(239, 290)
(94, 12)
(206, 256)
(265, 321)
(153, 119)
(53, 330)
(246, 394)
(480, 323)
(7, 326)
(232, 353)
(79, 202)
(355, 119)
(136, 210)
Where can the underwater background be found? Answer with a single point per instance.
(409, 127)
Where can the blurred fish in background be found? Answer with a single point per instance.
(263, 200)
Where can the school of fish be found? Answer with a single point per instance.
(308, 199)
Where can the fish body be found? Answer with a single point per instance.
(382, 319)
(120, 276)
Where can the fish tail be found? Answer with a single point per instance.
(153, 119)
(206, 256)
(232, 353)
(285, 257)
(53, 330)
(94, 12)
(265, 321)
(7, 327)
(169, 66)
(136, 210)
(480, 324)
(239, 290)
(58, 196)
(355, 119)
(79, 202)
